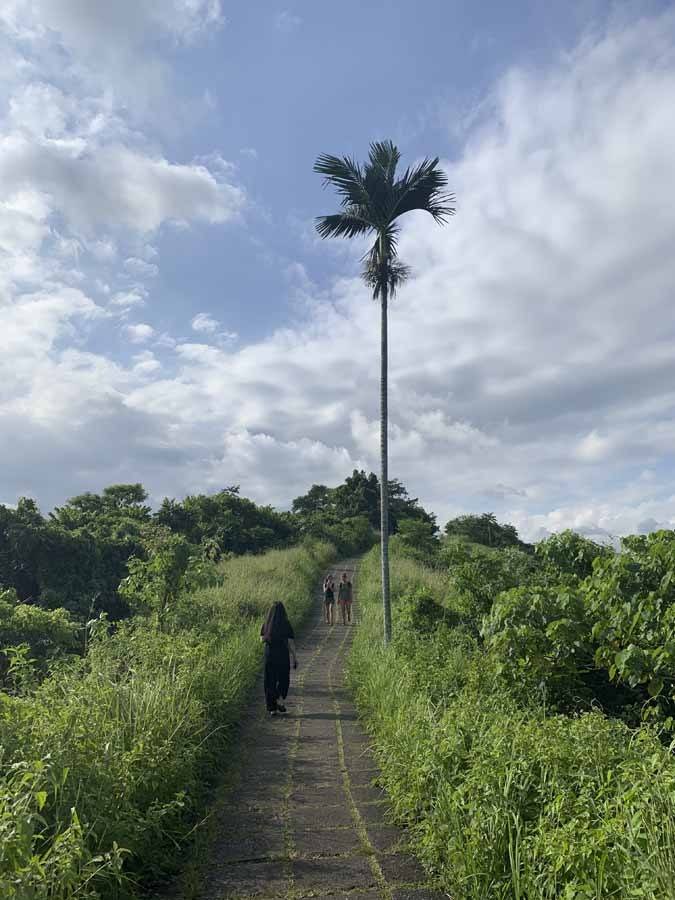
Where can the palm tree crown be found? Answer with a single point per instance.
(373, 199)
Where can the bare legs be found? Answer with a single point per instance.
(346, 611)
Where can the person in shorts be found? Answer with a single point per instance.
(329, 598)
(345, 596)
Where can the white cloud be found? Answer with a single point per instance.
(140, 268)
(140, 333)
(116, 186)
(532, 355)
(146, 364)
(206, 323)
(126, 299)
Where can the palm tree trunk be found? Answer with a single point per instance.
(384, 469)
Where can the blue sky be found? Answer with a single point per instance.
(168, 315)
(291, 82)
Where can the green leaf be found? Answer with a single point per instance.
(655, 686)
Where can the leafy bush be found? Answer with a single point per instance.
(569, 553)
(502, 799)
(479, 574)
(607, 638)
(43, 635)
(419, 538)
(127, 739)
(541, 639)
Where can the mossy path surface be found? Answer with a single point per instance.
(305, 819)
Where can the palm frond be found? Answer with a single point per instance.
(384, 155)
(342, 225)
(378, 179)
(391, 274)
(381, 266)
(423, 187)
(346, 176)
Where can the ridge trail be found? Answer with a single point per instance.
(305, 820)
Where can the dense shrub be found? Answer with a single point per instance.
(46, 634)
(479, 574)
(602, 633)
(228, 521)
(503, 799)
(570, 554)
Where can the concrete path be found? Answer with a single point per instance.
(305, 819)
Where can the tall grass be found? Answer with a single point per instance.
(501, 799)
(104, 767)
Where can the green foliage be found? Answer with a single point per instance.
(59, 868)
(484, 529)
(231, 523)
(630, 599)
(338, 514)
(155, 582)
(419, 537)
(45, 634)
(349, 536)
(77, 557)
(119, 512)
(599, 627)
(503, 799)
(373, 199)
(127, 739)
(419, 613)
(541, 639)
(569, 553)
(479, 574)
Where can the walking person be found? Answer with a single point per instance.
(345, 596)
(329, 598)
(279, 638)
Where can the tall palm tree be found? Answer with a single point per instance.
(373, 199)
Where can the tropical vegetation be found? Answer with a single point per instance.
(128, 644)
(107, 755)
(524, 714)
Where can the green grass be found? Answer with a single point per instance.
(105, 766)
(501, 799)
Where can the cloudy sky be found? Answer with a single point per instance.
(167, 314)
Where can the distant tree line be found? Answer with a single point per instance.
(485, 529)
(349, 515)
(76, 557)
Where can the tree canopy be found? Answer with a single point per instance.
(485, 529)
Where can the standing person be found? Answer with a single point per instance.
(279, 638)
(345, 595)
(329, 598)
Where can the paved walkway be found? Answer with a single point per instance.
(305, 819)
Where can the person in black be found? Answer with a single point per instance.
(279, 638)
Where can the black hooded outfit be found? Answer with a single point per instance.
(276, 632)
